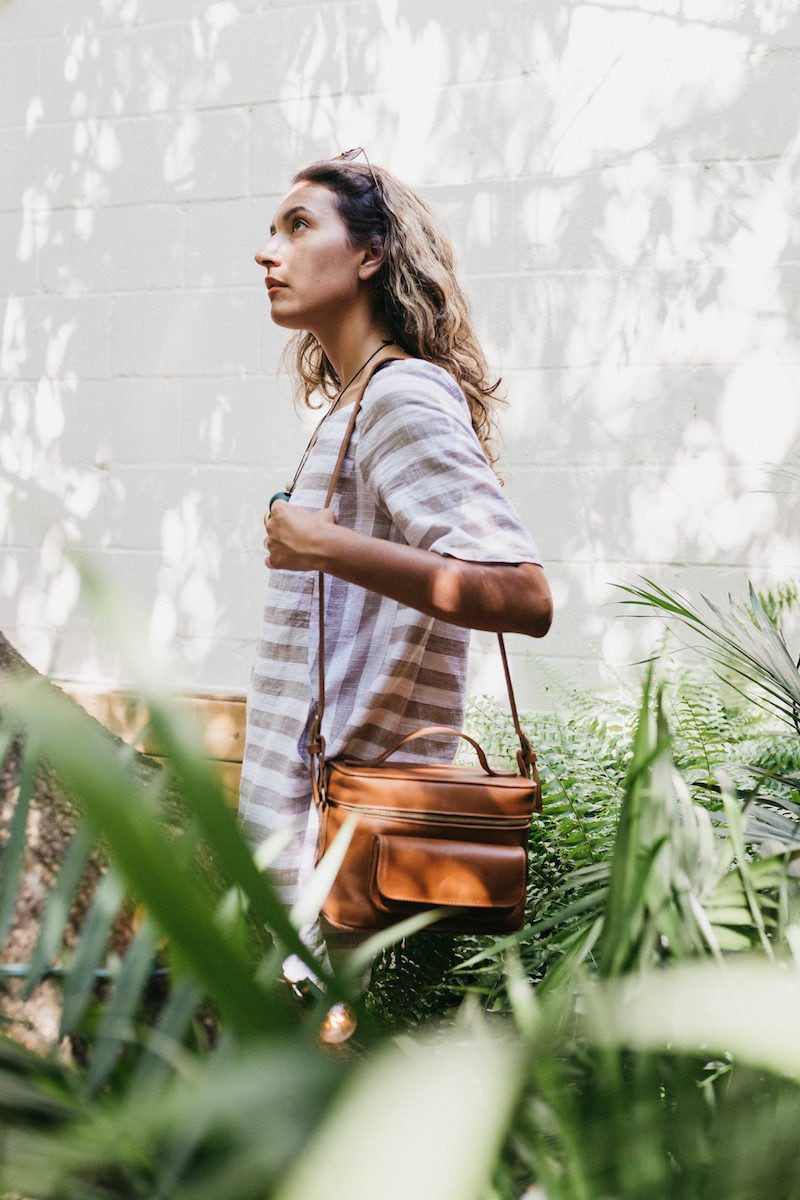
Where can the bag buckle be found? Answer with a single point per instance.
(316, 754)
(319, 791)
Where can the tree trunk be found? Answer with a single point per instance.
(52, 821)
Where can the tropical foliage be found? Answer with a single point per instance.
(635, 1039)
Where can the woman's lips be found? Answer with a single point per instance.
(273, 285)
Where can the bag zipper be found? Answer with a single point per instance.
(403, 814)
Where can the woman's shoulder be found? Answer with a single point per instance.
(414, 407)
(417, 380)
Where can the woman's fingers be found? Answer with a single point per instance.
(293, 541)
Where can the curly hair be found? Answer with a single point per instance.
(419, 299)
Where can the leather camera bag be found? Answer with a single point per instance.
(427, 835)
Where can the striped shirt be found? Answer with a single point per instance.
(414, 473)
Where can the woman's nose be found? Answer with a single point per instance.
(267, 255)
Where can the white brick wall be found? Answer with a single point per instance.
(621, 185)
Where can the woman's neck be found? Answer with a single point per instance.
(350, 345)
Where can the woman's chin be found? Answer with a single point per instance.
(284, 319)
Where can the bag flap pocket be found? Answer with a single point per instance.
(427, 872)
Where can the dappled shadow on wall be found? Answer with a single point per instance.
(620, 189)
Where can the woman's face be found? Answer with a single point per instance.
(313, 273)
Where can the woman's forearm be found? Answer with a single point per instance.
(491, 596)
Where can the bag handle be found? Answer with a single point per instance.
(427, 731)
(526, 755)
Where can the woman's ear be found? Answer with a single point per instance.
(372, 259)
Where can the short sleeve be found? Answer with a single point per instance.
(420, 458)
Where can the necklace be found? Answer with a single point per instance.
(312, 441)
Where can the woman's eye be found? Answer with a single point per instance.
(299, 223)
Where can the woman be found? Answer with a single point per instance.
(420, 544)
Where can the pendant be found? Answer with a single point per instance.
(278, 496)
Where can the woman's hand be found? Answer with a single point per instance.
(295, 537)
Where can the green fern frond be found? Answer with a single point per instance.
(780, 600)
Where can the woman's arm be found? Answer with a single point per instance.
(494, 596)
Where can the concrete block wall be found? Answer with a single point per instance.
(620, 182)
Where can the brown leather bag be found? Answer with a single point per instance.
(427, 835)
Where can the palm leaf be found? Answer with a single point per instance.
(220, 828)
(163, 1046)
(91, 951)
(443, 1134)
(699, 1005)
(115, 1028)
(308, 906)
(741, 640)
(14, 855)
(745, 876)
(641, 834)
(576, 949)
(35, 1088)
(56, 914)
(229, 1125)
(178, 898)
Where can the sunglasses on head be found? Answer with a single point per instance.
(350, 155)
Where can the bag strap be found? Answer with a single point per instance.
(526, 755)
(316, 742)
